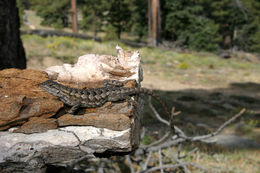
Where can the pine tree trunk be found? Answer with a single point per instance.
(12, 53)
(154, 21)
(118, 32)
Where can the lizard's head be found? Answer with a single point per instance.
(50, 86)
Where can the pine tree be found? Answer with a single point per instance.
(93, 12)
(139, 18)
(252, 31)
(119, 16)
(185, 23)
(53, 12)
(229, 17)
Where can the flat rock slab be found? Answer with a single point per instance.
(35, 125)
(61, 146)
(24, 103)
(35, 129)
(101, 120)
(21, 97)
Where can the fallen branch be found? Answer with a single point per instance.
(170, 140)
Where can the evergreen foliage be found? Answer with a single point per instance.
(93, 12)
(53, 12)
(252, 31)
(140, 18)
(196, 24)
(185, 24)
(119, 15)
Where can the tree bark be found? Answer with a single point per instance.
(154, 21)
(74, 16)
(12, 53)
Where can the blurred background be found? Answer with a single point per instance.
(201, 56)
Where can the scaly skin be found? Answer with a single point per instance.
(113, 91)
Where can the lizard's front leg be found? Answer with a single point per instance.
(130, 100)
(74, 108)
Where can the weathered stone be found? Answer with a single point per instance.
(101, 120)
(37, 125)
(22, 98)
(92, 67)
(112, 128)
(61, 146)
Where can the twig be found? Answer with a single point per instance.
(102, 166)
(160, 159)
(203, 137)
(169, 140)
(144, 167)
(189, 153)
(184, 138)
(179, 150)
(143, 133)
(161, 140)
(157, 115)
(128, 159)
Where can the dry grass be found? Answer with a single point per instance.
(223, 160)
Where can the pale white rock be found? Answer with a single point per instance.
(93, 67)
(19, 147)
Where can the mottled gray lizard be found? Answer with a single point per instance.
(112, 91)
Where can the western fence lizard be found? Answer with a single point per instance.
(91, 98)
(112, 91)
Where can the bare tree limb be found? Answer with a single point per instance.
(160, 160)
(225, 124)
(144, 167)
(157, 115)
(128, 159)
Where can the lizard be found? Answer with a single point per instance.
(112, 91)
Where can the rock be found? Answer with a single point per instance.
(94, 68)
(61, 146)
(101, 120)
(37, 125)
(22, 98)
(47, 135)
(116, 116)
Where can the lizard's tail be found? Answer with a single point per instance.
(149, 92)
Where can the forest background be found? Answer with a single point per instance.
(200, 25)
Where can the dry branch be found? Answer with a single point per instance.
(170, 140)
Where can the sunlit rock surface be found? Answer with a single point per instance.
(35, 128)
(21, 97)
(93, 68)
